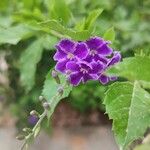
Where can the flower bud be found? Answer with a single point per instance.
(46, 105)
(20, 137)
(55, 76)
(28, 130)
(60, 90)
(34, 112)
(41, 98)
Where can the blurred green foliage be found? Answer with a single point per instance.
(29, 29)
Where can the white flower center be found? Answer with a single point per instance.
(93, 52)
(70, 56)
(84, 71)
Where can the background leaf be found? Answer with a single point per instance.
(123, 102)
(13, 35)
(109, 34)
(60, 11)
(28, 61)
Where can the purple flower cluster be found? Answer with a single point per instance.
(83, 61)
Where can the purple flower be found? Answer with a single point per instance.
(99, 49)
(33, 119)
(87, 60)
(83, 71)
(68, 50)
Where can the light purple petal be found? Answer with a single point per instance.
(97, 67)
(105, 50)
(87, 77)
(115, 59)
(104, 79)
(81, 50)
(59, 55)
(66, 45)
(75, 78)
(61, 66)
(113, 78)
(72, 66)
(94, 42)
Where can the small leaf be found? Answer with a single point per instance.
(28, 61)
(62, 31)
(133, 68)
(109, 34)
(89, 22)
(50, 91)
(128, 105)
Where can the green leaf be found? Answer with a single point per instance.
(109, 34)
(92, 18)
(128, 105)
(50, 91)
(28, 61)
(133, 68)
(61, 31)
(14, 34)
(60, 11)
(143, 147)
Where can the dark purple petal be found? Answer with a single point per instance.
(105, 50)
(94, 42)
(101, 58)
(81, 50)
(89, 58)
(75, 78)
(61, 65)
(115, 59)
(59, 55)
(66, 45)
(97, 67)
(33, 119)
(87, 77)
(104, 79)
(72, 66)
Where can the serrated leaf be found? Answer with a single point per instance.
(59, 11)
(28, 61)
(128, 105)
(13, 35)
(89, 22)
(62, 31)
(109, 34)
(133, 68)
(50, 91)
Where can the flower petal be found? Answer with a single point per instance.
(75, 78)
(72, 66)
(101, 58)
(113, 78)
(105, 50)
(81, 50)
(59, 55)
(115, 59)
(94, 42)
(67, 45)
(97, 67)
(104, 79)
(61, 66)
(87, 77)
